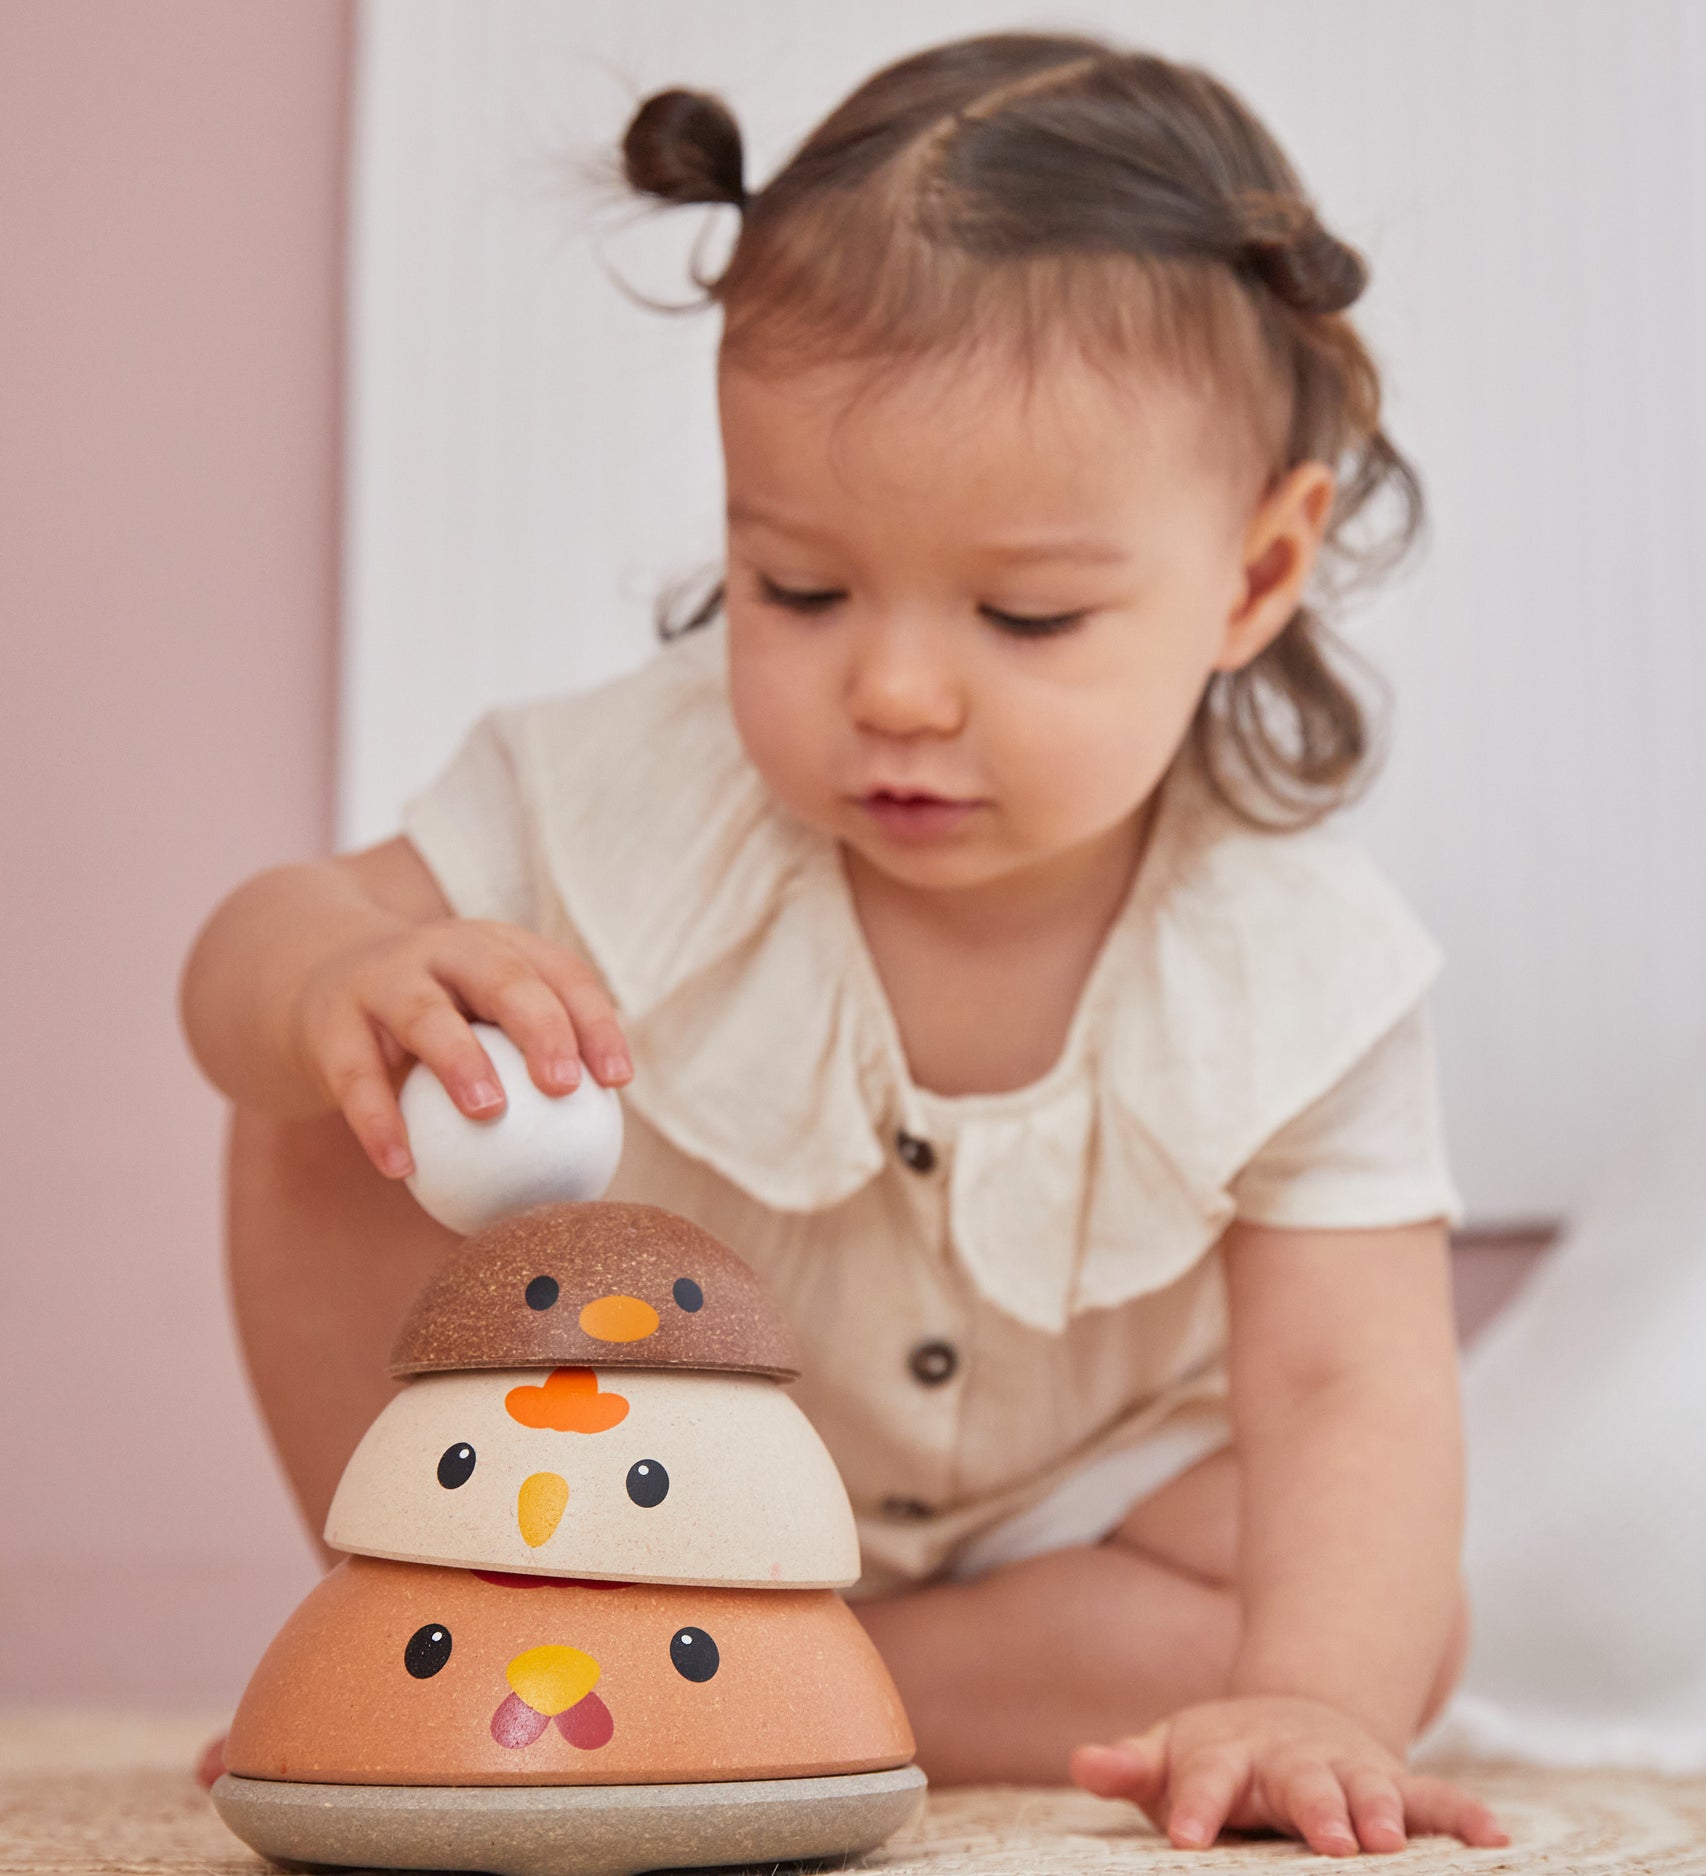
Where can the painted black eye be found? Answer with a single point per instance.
(541, 1293)
(456, 1466)
(693, 1654)
(429, 1648)
(688, 1295)
(648, 1483)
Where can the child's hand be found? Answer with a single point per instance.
(1263, 1762)
(366, 1011)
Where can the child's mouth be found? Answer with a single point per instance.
(905, 814)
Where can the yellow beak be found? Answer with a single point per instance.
(552, 1678)
(539, 1510)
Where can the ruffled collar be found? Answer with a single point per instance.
(1245, 974)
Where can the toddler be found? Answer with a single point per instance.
(951, 903)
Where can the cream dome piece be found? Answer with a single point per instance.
(634, 1476)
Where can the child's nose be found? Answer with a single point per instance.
(903, 683)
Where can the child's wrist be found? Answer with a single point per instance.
(1313, 1681)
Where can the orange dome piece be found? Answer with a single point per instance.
(408, 1674)
(595, 1284)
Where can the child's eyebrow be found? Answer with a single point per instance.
(1087, 549)
(749, 514)
(1076, 547)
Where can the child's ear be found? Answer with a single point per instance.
(1280, 545)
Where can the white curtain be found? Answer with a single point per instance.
(1586, 1406)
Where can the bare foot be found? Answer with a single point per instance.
(211, 1764)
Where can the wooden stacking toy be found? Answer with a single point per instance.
(588, 1625)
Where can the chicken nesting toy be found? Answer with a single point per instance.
(588, 1624)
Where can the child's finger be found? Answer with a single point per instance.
(353, 1068)
(1205, 1788)
(1099, 1770)
(603, 1046)
(1312, 1798)
(421, 1016)
(1133, 1768)
(1377, 1808)
(1433, 1805)
(505, 987)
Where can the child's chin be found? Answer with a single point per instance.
(937, 866)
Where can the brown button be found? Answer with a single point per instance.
(906, 1510)
(920, 1155)
(932, 1363)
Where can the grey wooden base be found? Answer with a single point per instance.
(568, 1830)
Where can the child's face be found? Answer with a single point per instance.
(883, 561)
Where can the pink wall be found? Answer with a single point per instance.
(171, 183)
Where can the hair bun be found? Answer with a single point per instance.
(1308, 269)
(685, 147)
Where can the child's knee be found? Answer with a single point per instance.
(1191, 1523)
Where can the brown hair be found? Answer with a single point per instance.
(1009, 188)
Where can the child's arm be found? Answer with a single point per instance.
(311, 985)
(1345, 1414)
(1343, 1361)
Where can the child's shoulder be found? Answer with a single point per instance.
(1270, 961)
(666, 715)
(1283, 894)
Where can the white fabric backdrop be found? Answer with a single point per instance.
(1586, 1556)
(532, 456)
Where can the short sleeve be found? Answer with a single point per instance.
(1369, 1152)
(470, 826)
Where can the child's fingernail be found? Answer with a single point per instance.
(484, 1094)
(395, 1162)
(564, 1070)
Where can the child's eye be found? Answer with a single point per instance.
(774, 595)
(1022, 626)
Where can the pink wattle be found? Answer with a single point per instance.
(516, 1724)
(587, 1724)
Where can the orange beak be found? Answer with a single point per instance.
(619, 1319)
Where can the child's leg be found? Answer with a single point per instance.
(325, 1257)
(1003, 1676)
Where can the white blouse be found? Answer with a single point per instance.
(989, 1290)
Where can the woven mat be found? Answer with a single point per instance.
(110, 1795)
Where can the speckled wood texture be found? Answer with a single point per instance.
(595, 1285)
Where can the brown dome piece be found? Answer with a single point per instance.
(597, 1285)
